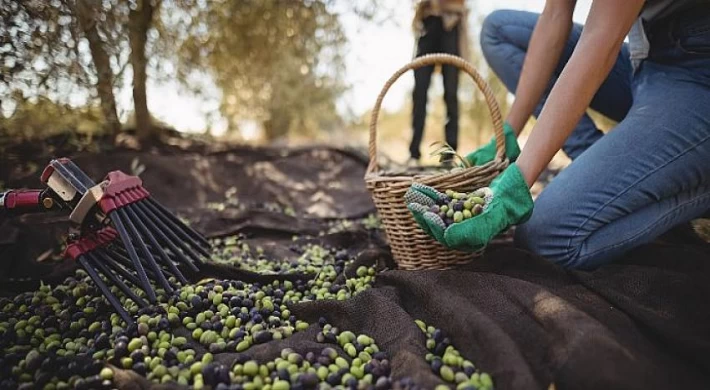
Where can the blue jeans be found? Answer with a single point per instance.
(648, 174)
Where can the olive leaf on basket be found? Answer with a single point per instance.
(444, 149)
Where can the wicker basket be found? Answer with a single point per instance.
(411, 247)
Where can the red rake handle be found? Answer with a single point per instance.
(24, 201)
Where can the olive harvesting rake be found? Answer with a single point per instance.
(125, 234)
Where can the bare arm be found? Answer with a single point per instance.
(546, 45)
(607, 24)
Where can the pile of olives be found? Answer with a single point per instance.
(459, 206)
(67, 336)
(448, 363)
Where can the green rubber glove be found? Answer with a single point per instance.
(508, 202)
(487, 153)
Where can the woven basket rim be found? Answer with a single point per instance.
(438, 59)
(379, 176)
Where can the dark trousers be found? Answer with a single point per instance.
(436, 40)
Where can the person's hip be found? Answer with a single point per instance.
(682, 39)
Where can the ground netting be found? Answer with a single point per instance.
(302, 293)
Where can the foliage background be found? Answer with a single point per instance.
(275, 71)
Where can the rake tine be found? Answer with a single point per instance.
(104, 289)
(141, 246)
(162, 230)
(108, 268)
(121, 256)
(175, 252)
(155, 250)
(174, 227)
(155, 246)
(144, 283)
(118, 265)
(148, 271)
(197, 236)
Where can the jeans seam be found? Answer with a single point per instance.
(644, 177)
(694, 30)
(699, 198)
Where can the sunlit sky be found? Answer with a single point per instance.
(375, 52)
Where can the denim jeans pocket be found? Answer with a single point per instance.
(695, 38)
(695, 45)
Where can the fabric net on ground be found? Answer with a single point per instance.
(296, 234)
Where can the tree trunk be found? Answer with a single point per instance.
(278, 124)
(140, 20)
(85, 11)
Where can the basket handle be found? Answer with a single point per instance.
(433, 59)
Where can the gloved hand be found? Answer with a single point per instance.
(507, 202)
(487, 153)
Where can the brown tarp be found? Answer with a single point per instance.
(642, 323)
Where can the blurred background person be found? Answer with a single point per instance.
(439, 27)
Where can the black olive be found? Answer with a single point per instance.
(208, 374)
(284, 374)
(262, 337)
(352, 383)
(163, 324)
(196, 302)
(120, 350)
(140, 368)
(311, 357)
(469, 370)
(333, 379)
(102, 341)
(169, 355)
(380, 355)
(309, 380)
(383, 383)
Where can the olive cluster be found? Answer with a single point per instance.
(459, 206)
(232, 316)
(54, 338)
(324, 262)
(371, 222)
(70, 326)
(295, 371)
(448, 363)
(362, 366)
(63, 336)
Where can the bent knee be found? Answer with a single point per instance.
(491, 27)
(553, 242)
